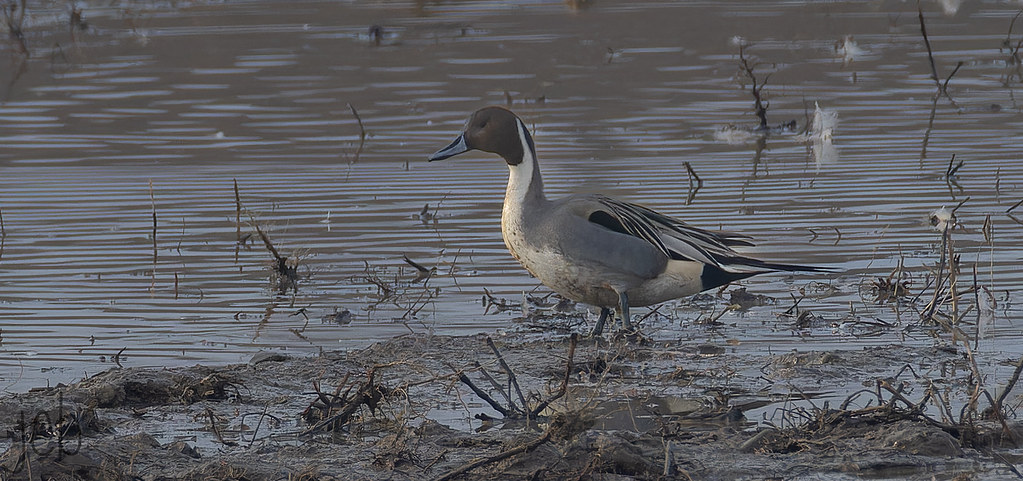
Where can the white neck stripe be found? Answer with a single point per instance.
(521, 175)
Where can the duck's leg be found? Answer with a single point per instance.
(623, 305)
(598, 328)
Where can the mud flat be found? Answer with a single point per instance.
(609, 409)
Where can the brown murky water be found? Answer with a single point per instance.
(191, 97)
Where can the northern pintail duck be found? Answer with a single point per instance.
(594, 249)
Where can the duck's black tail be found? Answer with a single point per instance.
(737, 268)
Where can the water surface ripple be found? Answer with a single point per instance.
(164, 108)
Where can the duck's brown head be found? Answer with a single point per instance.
(491, 129)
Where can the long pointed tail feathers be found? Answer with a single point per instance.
(757, 266)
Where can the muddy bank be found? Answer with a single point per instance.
(627, 409)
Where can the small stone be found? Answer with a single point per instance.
(184, 448)
(267, 356)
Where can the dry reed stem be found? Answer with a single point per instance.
(997, 410)
(573, 340)
(930, 128)
(511, 374)
(14, 17)
(953, 276)
(958, 336)
(928, 313)
(281, 260)
(950, 171)
(237, 211)
(361, 397)
(693, 175)
(216, 431)
(496, 385)
(152, 200)
(1014, 57)
(758, 104)
(699, 183)
(362, 133)
(481, 393)
(944, 86)
(976, 302)
(327, 402)
(1012, 382)
(514, 410)
(927, 43)
(258, 424)
(117, 357)
(522, 448)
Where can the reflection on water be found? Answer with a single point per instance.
(161, 109)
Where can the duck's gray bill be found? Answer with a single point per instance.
(456, 147)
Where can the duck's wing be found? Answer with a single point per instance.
(678, 240)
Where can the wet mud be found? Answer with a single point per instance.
(630, 409)
(124, 247)
(297, 133)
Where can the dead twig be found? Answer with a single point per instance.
(422, 273)
(1010, 384)
(237, 216)
(1008, 464)
(512, 380)
(152, 199)
(572, 341)
(259, 423)
(285, 267)
(927, 43)
(997, 410)
(915, 408)
(522, 448)
(1013, 59)
(944, 86)
(692, 174)
(281, 260)
(928, 313)
(514, 411)
(117, 357)
(760, 110)
(368, 394)
(216, 430)
(76, 22)
(362, 132)
(930, 128)
(324, 403)
(647, 315)
(950, 171)
(329, 402)
(699, 183)
(481, 393)
(712, 319)
(14, 17)
(496, 385)
(500, 303)
(415, 306)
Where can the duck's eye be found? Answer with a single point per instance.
(483, 124)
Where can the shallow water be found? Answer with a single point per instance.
(162, 108)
